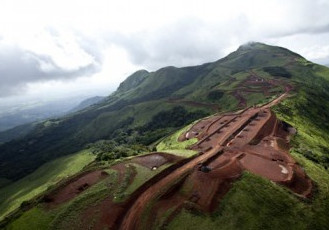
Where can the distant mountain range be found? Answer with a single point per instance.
(15, 121)
(88, 102)
(12, 116)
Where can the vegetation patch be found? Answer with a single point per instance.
(171, 142)
(256, 203)
(142, 175)
(46, 176)
(107, 150)
(277, 71)
(35, 218)
(215, 95)
(306, 112)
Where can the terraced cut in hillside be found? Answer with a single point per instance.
(252, 140)
(231, 170)
(254, 84)
(228, 144)
(108, 211)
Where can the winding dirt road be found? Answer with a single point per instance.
(226, 148)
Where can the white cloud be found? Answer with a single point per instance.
(63, 48)
(80, 45)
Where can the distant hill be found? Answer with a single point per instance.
(88, 102)
(16, 132)
(17, 121)
(14, 115)
(133, 81)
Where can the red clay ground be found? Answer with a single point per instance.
(252, 140)
(74, 187)
(81, 182)
(104, 215)
(156, 159)
(256, 84)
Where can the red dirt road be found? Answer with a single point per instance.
(252, 139)
(132, 218)
(230, 144)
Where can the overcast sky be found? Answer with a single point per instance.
(56, 48)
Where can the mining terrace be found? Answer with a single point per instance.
(251, 140)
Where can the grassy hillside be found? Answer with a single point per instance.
(308, 110)
(199, 90)
(252, 203)
(148, 107)
(261, 205)
(264, 205)
(39, 181)
(17, 132)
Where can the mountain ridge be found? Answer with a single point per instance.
(186, 84)
(226, 98)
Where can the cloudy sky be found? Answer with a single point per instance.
(65, 47)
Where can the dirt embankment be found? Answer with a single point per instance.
(74, 187)
(105, 214)
(229, 144)
(256, 84)
(252, 140)
(155, 160)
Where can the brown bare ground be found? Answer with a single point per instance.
(156, 159)
(74, 187)
(252, 139)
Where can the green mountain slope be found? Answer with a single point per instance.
(149, 106)
(42, 179)
(87, 102)
(197, 91)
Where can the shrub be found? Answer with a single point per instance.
(277, 71)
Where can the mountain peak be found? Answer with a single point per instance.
(252, 45)
(258, 46)
(133, 81)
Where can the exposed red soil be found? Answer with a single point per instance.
(121, 169)
(74, 187)
(102, 215)
(262, 86)
(238, 95)
(81, 182)
(155, 159)
(172, 201)
(252, 139)
(198, 128)
(105, 214)
(263, 142)
(133, 216)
